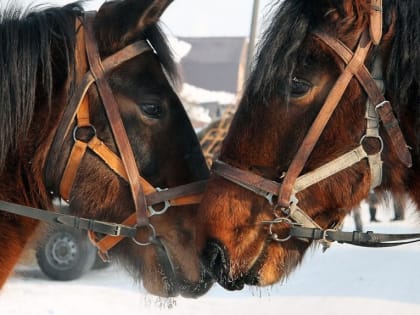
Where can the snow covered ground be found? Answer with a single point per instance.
(344, 280)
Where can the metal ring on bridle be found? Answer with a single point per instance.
(375, 137)
(151, 237)
(76, 128)
(274, 236)
(284, 211)
(166, 205)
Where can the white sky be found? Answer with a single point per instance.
(195, 17)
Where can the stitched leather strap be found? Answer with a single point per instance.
(113, 229)
(375, 27)
(73, 163)
(79, 95)
(383, 107)
(364, 239)
(77, 153)
(321, 120)
(176, 197)
(114, 117)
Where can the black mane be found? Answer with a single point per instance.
(294, 19)
(278, 49)
(29, 45)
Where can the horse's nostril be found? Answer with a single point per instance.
(215, 260)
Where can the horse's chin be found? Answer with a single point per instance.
(170, 280)
(274, 263)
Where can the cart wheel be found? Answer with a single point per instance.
(65, 254)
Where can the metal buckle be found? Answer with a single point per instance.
(151, 237)
(324, 235)
(117, 230)
(325, 242)
(166, 205)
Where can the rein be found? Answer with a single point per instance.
(91, 70)
(286, 209)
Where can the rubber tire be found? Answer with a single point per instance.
(65, 254)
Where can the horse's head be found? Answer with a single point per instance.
(300, 137)
(124, 120)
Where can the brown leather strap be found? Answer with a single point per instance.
(107, 242)
(179, 196)
(83, 82)
(246, 179)
(79, 148)
(114, 117)
(383, 107)
(69, 175)
(109, 157)
(321, 120)
(390, 124)
(375, 27)
(84, 79)
(114, 162)
(83, 117)
(176, 196)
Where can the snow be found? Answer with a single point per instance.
(344, 280)
(179, 48)
(195, 94)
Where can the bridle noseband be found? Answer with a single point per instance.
(286, 209)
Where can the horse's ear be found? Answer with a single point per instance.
(153, 13)
(119, 22)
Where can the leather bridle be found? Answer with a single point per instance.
(286, 209)
(91, 70)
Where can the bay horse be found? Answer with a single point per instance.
(331, 110)
(87, 104)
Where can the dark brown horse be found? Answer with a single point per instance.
(311, 133)
(130, 122)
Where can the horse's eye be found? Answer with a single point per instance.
(152, 110)
(299, 87)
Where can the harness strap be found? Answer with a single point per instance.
(382, 106)
(269, 188)
(114, 229)
(321, 120)
(117, 126)
(77, 152)
(109, 158)
(364, 239)
(174, 196)
(70, 172)
(375, 27)
(372, 128)
(114, 232)
(79, 95)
